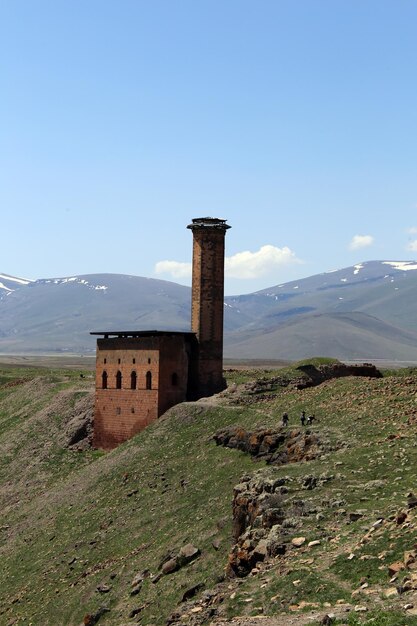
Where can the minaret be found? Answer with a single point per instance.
(208, 301)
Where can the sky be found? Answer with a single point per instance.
(121, 121)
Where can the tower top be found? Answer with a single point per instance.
(208, 222)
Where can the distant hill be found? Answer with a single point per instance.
(356, 335)
(361, 312)
(365, 311)
(57, 314)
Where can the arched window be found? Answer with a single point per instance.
(133, 380)
(104, 380)
(148, 380)
(119, 380)
(174, 379)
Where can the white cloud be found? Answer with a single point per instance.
(412, 230)
(255, 264)
(361, 241)
(174, 268)
(412, 246)
(243, 265)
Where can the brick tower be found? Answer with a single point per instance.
(208, 301)
(140, 374)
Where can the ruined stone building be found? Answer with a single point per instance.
(141, 374)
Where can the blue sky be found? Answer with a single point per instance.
(121, 121)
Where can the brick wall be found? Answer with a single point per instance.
(122, 412)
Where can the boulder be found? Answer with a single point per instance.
(187, 554)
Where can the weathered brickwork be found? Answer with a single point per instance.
(141, 374)
(207, 306)
(137, 379)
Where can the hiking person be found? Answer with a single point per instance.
(285, 419)
(303, 418)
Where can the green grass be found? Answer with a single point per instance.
(278, 594)
(71, 521)
(374, 567)
(378, 618)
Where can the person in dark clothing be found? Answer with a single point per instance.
(285, 419)
(303, 418)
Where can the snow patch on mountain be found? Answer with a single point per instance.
(74, 279)
(8, 284)
(14, 279)
(402, 265)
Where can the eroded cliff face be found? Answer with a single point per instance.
(264, 510)
(259, 512)
(275, 446)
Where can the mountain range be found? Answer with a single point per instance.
(364, 312)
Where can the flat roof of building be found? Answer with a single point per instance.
(139, 333)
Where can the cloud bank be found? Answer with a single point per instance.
(361, 241)
(243, 265)
(256, 264)
(173, 268)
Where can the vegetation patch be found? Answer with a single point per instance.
(81, 530)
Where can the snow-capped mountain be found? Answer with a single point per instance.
(365, 311)
(10, 283)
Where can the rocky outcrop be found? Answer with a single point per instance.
(264, 518)
(317, 375)
(276, 447)
(174, 561)
(265, 515)
(265, 388)
(78, 428)
(258, 515)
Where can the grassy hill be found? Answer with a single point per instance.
(351, 334)
(77, 528)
